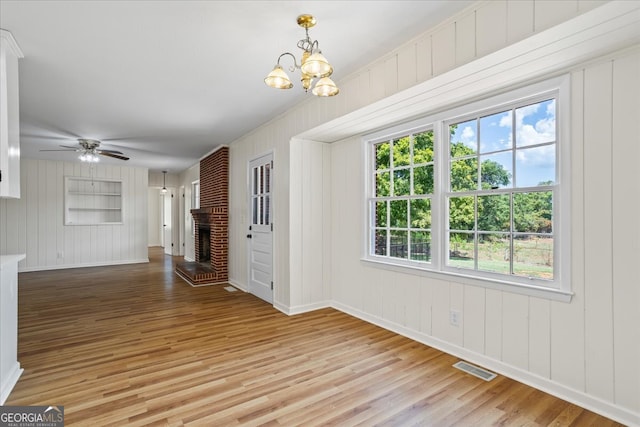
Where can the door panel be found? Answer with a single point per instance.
(260, 230)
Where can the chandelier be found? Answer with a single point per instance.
(312, 65)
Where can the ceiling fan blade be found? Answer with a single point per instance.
(68, 146)
(110, 151)
(115, 156)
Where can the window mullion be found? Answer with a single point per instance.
(440, 185)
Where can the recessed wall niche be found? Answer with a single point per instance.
(92, 201)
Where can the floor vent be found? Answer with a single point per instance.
(230, 289)
(475, 371)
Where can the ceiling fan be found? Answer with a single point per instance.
(89, 150)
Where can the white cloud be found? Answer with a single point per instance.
(543, 130)
(505, 121)
(544, 156)
(468, 134)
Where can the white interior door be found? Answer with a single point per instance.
(260, 234)
(166, 223)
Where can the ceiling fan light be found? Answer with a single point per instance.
(325, 87)
(317, 65)
(278, 79)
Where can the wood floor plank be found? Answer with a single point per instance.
(134, 345)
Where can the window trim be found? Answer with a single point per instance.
(559, 88)
(195, 203)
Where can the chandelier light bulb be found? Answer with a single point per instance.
(325, 87)
(278, 79)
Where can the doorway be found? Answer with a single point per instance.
(167, 238)
(260, 234)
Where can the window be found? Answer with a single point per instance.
(195, 203)
(403, 193)
(474, 191)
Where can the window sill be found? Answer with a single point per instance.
(516, 288)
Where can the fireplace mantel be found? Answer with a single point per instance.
(207, 215)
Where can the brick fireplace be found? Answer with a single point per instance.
(211, 235)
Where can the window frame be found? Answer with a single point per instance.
(560, 287)
(195, 203)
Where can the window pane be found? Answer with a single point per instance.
(254, 209)
(536, 123)
(382, 156)
(383, 184)
(423, 180)
(262, 213)
(533, 212)
(381, 214)
(423, 147)
(256, 182)
(261, 179)
(496, 170)
(461, 213)
(381, 242)
(495, 132)
(420, 246)
(461, 251)
(401, 152)
(494, 253)
(421, 213)
(463, 138)
(267, 219)
(536, 166)
(533, 257)
(401, 182)
(267, 178)
(494, 213)
(398, 213)
(464, 175)
(398, 247)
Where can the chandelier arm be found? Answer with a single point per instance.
(295, 62)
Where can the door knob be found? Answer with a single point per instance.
(248, 236)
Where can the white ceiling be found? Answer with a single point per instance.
(167, 81)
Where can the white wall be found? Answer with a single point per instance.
(583, 350)
(590, 346)
(34, 224)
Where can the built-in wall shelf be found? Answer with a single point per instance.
(92, 201)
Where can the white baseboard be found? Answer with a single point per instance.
(238, 285)
(186, 258)
(81, 265)
(299, 309)
(571, 395)
(9, 382)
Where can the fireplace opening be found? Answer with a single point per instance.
(204, 235)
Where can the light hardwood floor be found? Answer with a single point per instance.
(135, 345)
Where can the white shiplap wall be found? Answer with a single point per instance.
(586, 350)
(34, 224)
(590, 346)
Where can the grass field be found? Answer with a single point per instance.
(532, 257)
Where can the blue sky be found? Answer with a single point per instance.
(534, 124)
